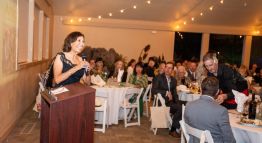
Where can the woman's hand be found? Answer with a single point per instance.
(83, 64)
(86, 80)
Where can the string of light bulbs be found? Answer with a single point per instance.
(108, 15)
(179, 23)
(202, 12)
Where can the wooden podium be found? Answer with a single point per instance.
(70, 118)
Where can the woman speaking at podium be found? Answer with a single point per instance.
(68, 66)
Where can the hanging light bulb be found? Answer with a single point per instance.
(122, 10)
(211, 8)
(134, 7)
(110, 14)
(221, 1)
(89, 18)
(184, 22)
(201, 14)
(192, 18)
(99, 17)
(148, 2)
(245, 4)
(80, 19)
(256, 32)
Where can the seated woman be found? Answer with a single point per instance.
(130, 68)
(68, 66)
(100, 69)
(92, 63)
(139, 79)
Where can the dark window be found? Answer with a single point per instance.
(187, 46)
(256, 51)
(228, 47)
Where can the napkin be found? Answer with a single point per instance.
(240, 99)
(59, 90)
(119, 75)
(97, 80)
(249, 79)
(182, 88)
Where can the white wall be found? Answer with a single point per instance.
(126, 41)
(18, 88)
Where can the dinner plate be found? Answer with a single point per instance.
(185, 91)
(250, 125)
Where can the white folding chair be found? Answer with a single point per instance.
(102, 108)
(150, 79)
(184, 134)
(38, 99)
(147, 98)
(126, 105)
(42, 88)
(203, 135)
(167, 118)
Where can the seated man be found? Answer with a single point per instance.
(119, 73)
(191, 72)
(161, 68)
(181, 76)
(165, 83)
(206, 114)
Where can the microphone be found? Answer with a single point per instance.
(84, 58)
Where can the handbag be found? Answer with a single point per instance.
(160, 117)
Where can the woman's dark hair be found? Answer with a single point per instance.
(72, 37)
(99, 59)
(130, 62)
(139, 64)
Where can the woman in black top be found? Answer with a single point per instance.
(68, 66)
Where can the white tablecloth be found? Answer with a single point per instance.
(244, 134)
(184, 96)
(115, 97)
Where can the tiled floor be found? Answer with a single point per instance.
(28, 131)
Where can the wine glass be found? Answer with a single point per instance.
(245, 111)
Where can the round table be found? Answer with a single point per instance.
(242, 133)
(115, 96)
